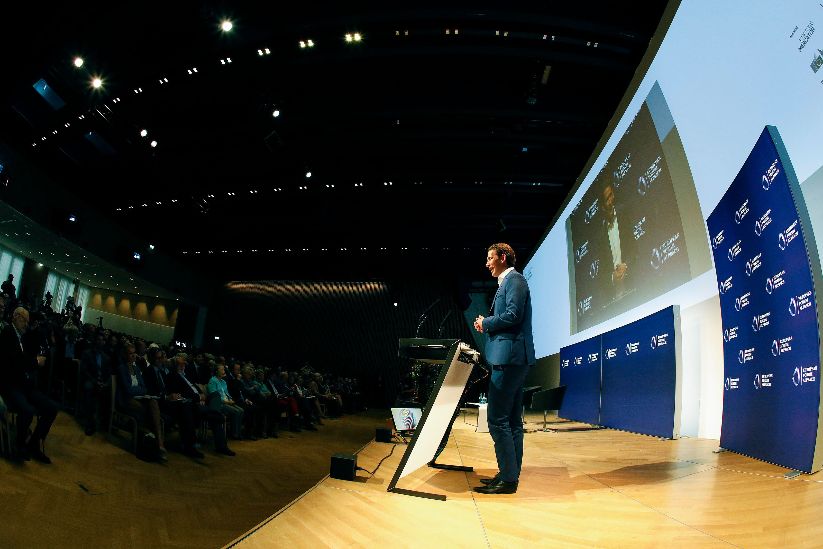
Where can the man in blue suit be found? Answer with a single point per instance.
(510, 352)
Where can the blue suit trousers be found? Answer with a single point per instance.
(505, 418)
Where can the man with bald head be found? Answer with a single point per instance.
(18, 385)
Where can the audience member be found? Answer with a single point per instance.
(96, 370)
(218, 398)
(133, 398)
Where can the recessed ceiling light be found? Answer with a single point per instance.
(78, 62)
(226, 25)
(96, 82)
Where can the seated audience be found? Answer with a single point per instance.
(96, 371)
(218, 398)
(133, 398)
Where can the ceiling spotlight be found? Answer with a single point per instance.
(357, 37)
(226, 25)
(153, 144)
(78, 62)
(308, 174)
(302, 44)
(275, 113)
(136, 256)
(349, 37)
(96, 82)
(267, 51)
(72, 218)
(144, 133)
(310, 43)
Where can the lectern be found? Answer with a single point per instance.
(433, 429)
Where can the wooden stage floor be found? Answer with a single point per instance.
(596, 488)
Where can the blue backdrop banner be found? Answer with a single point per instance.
(770, 331)
(580, 373)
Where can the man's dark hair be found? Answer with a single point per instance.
(504, 249)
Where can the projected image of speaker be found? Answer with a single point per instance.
(406, 419)
(637, 232)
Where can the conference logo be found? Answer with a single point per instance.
(632, 348)
(753, 264)
(642, 186)
(742, 302)
(764, 221)
(785, 237)
(730, 334)
(734, 250)
(804, 374)
(725, 285)
(760, 321)
(611, 353)
(584, 305)
(665, 251)
(594, 268)
(717, 239)
(800, 303)
(741, 212)
(731, 383)
(745, 355)
(578, 360)
(782, 345)
(591, 211)
(770, 175)
(581, 252)
(406, 419)
(659, 340)
(774, 282)
(622, 170)
(593, 357)
(763, 381)
(757, 381)
(639, 228)
(564, 363)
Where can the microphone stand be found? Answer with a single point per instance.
(424, 316)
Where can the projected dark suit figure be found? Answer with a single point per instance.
(510, 351)
(619, 243)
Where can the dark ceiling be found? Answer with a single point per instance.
(442, 130)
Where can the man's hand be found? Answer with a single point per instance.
(620, 272)
(478, 324)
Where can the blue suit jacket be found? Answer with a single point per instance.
(509, 328)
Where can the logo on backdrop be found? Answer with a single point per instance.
(594, 268)
(742, 302)
(760, 321)
(774, 282)
(665, 251)
(644, 182)
(763, 381)
(622, 170)
(734, 250)
(781, 346)
(804, 374)
(564, 363)
(753, 264)
(745, 355)
(639, 228)
(764, 221)
(725, 285)
(729, 334)
(611, 353)
(731, 383)
(659, 340)
(591, 211)
(741, 212)
(632, 348)
(800, 303)
(717, 240)
(584, 305)
(581, 252)
(785, 237)
(770, 175)
(593, 357)
(578, 360)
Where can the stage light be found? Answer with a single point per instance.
(308, 174)
(310, 43)
(40, 265)
(153, 144)
(302, 45)
(217, 338)
(349, 37)
(267, 51)
(136, 256)
(144, 133)
(78, 62)
(226, 25)
(151, 246)
(395, 304)
(357, 37)
(275, 113)
(96, 82)
(72, 218)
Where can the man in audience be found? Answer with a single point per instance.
(251, 412)
(18, 385)
(133, 397)
(96, 370)
(286, 402)
(178, 383)
(263, 401)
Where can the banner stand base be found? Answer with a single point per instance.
(415, 493)
(446, 467)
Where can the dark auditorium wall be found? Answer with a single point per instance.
(345, 327)
(33, 280)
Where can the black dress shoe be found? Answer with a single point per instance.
(495, 478)
(38, 454)
(497, 487)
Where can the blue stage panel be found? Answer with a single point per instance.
(580, 373)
